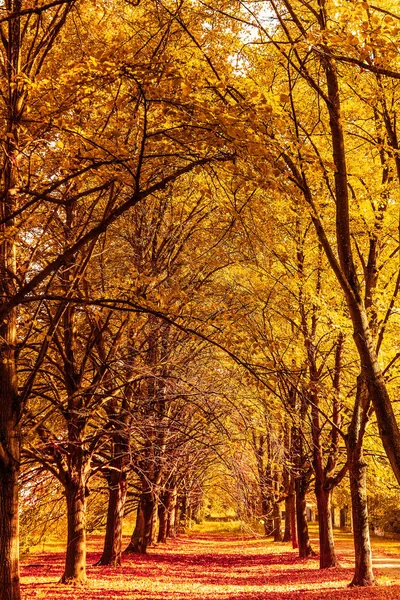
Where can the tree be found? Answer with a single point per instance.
(62, 148)
(22, 56)
(314, 149)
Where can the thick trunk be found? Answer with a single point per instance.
(268, 526)
(287, 535)
(327, 556)
(323, 488)
(10, 403)
(277, 522)
(388, 427)
(183, 514)
(9, 566)
(154, 524)
(347, 277)
(290, 534)
(301, 481)
(305, 549)
(75, 561)
(141, 535)
(363, 574)
(267, 519)
(173, 507)
(163, 509)
(138, 530)
(10, 436)
(116, 504)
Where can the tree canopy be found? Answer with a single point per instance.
(199, 266)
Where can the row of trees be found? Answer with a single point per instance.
(183, 187)
(94, 122)
(329, 135)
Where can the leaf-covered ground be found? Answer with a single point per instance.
(213, 566)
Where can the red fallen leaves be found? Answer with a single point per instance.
(208, 567)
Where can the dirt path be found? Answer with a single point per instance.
(212, 566)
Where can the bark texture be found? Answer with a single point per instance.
(172, 513)
(163, 518)
(10, 403)
(9, 546)
(363, 572)
(277, 522)
(326, 541)
(141, 536)
(116, 504)
(75, 561)
(303, 537)
(287, 534)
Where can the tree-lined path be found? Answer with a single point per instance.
(199, 294)
(214, 566)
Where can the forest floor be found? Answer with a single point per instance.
(216, 565)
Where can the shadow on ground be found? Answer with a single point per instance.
(210, 567)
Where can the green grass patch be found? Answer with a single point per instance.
(218, 527)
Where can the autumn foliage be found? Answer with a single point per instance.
(199, 279)
(213, 565)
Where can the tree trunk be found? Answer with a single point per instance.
(116, 504)
(9, 546)
(163, 509)
(363, 573)
(277, 522)
(154, 524)
(183, 514)
(305, 549)
(173, 507)
(327, 556)
(387, 423)
(138, 530)
(346, 274)
(10, 448)
(287, 535)
(190, 517)
(293, 531)
(268, 526)
(10, 402)
(266, 508)
(75, 561)
(141, 535)
(290, 534)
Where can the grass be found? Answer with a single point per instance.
(236, 527)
